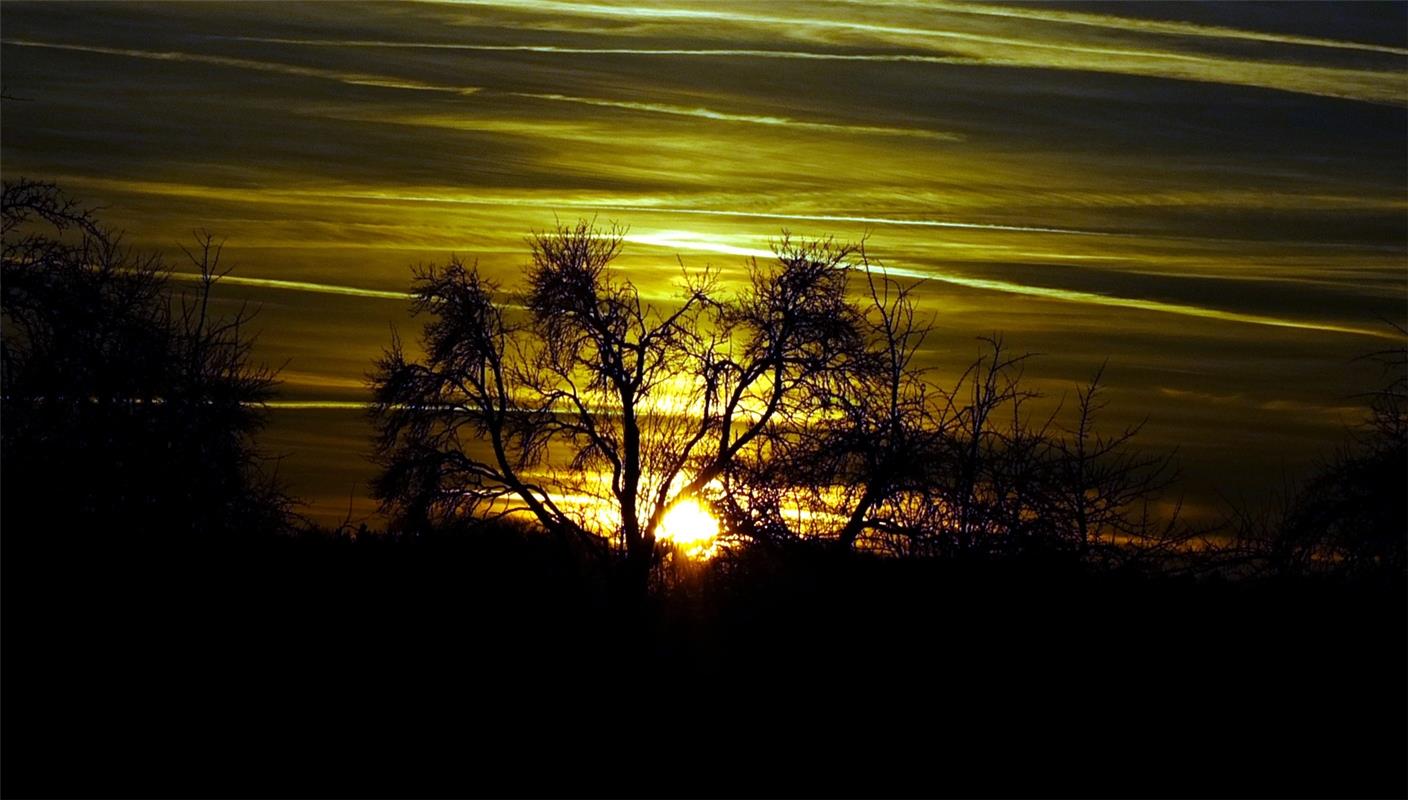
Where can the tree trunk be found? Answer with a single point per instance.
(640, 544)
(857, 520)
(630, 584)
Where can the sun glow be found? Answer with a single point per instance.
(691, 528)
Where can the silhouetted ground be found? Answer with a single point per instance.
(494, 665)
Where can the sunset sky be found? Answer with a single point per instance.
(1210, 197)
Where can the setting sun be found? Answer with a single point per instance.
(692, 529)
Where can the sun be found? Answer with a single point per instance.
(692, 529)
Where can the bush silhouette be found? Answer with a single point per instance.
(1351, 514)
(128, 408)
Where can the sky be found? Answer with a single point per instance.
(1207, 198)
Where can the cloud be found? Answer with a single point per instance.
(1171, 28)
(686, 241)
(349, 78)
(1024, 45)
(753, 119)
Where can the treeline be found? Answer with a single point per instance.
(795, 406)
(130, 404)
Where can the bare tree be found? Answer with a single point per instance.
(882, 455)
(583, 390)
(798, 407)
(1102, 485)
(861, 436)
(1351, 514)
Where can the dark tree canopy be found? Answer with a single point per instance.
(1351, 514)
(128, 407)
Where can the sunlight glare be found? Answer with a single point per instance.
(692, 529)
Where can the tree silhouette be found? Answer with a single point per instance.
(1351, 515)
(127, 408)
(882, 457)
(585, 390)
(795, 406)
(860, 437)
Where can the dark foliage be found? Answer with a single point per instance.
(128, 408)
(1351, 515)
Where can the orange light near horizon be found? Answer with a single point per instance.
(691, 528)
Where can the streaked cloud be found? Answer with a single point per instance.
(1140, 304)
(1025, 47)
(1172, 28)
(715, 52)
(753, 119)
(349, 78)
(1211, 199)
(685, 241)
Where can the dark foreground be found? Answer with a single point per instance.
(497, 666)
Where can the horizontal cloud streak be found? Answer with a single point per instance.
(1150, 26)
(724, 116)
(349, 78)
(1074, 296)
(299, 286)
(725, 52)
(686, 242)
(324, 195)
(1036, 48)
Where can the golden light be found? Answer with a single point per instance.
(691, 528)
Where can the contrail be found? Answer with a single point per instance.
(299, 286)
(315, 288)
(611, 206)
(1008, 287)
(1165, 27)
(921, 223)
(724, 116)
(1092, 298)
(350, 78)
(725, 52)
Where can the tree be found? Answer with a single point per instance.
(1351, 515)
(796, 407)
(1100, 480)
(885, 458)
(585, 406)
(861, 439)
(127, 407)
